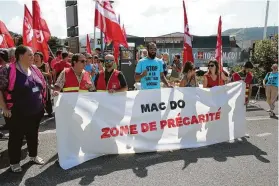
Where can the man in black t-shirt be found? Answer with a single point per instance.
(110, 80)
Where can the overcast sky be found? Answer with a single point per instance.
(149, 17)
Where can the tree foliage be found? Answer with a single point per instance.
(140, 47)
(266, 53)
(53, 42)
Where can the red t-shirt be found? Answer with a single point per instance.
(211, 83)
(53, 62)
(58, 67)
(247, 78)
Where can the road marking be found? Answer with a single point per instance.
(46, 121)
(48, 132)
(263, 134)
(258, 118)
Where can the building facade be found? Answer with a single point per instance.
(203, 48)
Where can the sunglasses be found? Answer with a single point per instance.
(108, 60)
(211, 65)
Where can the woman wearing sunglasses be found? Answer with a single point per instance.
(213, 77)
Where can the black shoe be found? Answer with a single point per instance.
(50, 115)
(1, 135)
(4, 127)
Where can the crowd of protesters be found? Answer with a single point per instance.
(27, 84)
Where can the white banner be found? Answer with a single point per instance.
(92, 124)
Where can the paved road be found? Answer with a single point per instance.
(248, 161)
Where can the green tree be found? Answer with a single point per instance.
(266, 53)
(140, 47)
(54, 43)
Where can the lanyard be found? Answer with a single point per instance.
(33, 81)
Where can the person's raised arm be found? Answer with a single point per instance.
(139, 73)
(183, 82)
(59, 84)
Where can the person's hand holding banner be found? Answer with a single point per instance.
(55, 93)
(111, 91)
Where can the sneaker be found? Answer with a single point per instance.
(4, 127)
(268, 110)
(272, 114)
(37, 160)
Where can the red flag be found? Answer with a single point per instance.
(6, 40)
(106, 21)
(41, 31)
(116, 52)
(218, 50)
(88, 48)
(27, 33)
(124, 32)
(187, 49)
(107, 40)
(116, 45)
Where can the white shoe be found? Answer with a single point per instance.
(37, 160)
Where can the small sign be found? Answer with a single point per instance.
(70, 3)
(72, 31)
(98, 41)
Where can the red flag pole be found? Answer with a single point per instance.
(218, 50)
(187, 46)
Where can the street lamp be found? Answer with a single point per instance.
(266, 18)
